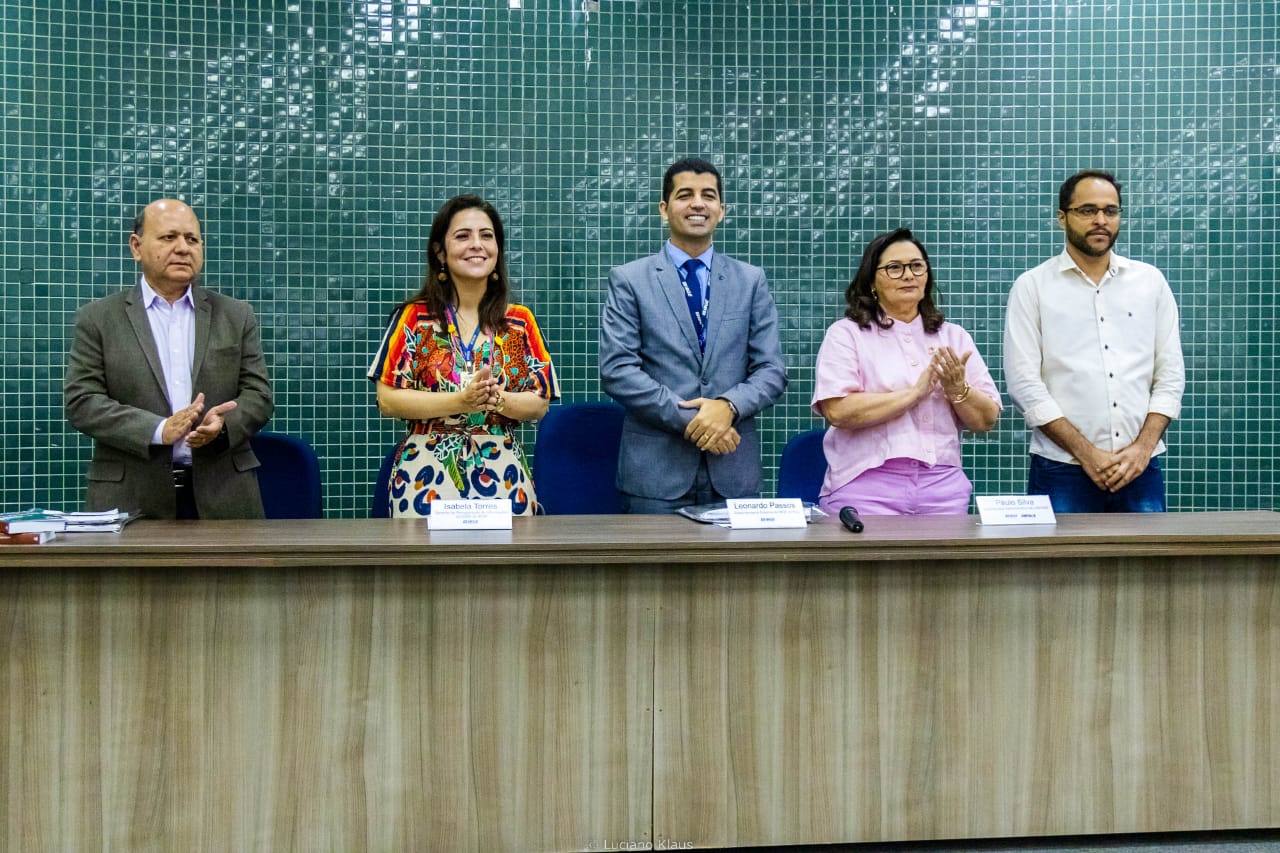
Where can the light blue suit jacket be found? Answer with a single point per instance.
(649, 362)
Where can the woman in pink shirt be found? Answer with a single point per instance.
(897, 383)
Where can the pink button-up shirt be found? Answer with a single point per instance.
(853, 359)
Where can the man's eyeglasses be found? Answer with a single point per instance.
(895, 269)
(1088, 211)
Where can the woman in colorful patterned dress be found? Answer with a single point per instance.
(463, 367)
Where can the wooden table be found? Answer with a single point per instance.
(580, 682)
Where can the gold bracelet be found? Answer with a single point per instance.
(964, 395)
(502, 403)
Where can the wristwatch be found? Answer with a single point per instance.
(733, 410)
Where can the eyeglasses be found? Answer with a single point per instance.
(895, 269)
(1088, 211)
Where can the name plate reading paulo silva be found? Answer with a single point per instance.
(470, 515)
(748, 513)
(1016, 509)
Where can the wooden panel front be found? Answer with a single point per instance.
(326, 709)
(920, 700)
(206, 687)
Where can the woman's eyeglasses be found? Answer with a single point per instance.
(896, 270)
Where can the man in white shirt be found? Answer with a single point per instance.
(1093, 359)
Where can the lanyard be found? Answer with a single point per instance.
(467, 351)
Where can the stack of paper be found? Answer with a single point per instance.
(107, 521)
(53, 521)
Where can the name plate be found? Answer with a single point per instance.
(748, 513)
(1016, 509)
(470, 515)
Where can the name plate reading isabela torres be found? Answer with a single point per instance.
(470, 515)
(748, 513)
(1016, 509)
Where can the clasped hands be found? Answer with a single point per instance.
(483, 393)
(1112, 471)
(182, 424)
(712, 427)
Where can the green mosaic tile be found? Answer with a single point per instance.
(316, 141)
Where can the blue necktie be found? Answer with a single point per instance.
(693, 295)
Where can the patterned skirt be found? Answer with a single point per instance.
(488, 463)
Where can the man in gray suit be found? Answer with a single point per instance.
(169, 380)
(689, 346)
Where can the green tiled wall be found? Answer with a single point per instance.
(316, 140)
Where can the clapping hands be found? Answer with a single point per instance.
(948, 369)
(483, 393)
(186, 423)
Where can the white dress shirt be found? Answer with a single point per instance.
(1103, 357)
(173, 325)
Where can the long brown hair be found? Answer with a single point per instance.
(438, 291)
(860, 297)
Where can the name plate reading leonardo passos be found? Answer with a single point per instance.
(747, 513)
(470, 515)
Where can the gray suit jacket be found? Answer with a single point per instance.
(649, 361)
(114, 391)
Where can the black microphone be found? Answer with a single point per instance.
(849, 518)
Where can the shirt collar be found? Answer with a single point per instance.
(150, 297)
(899, 327)
(678, 256)
(1066, 263)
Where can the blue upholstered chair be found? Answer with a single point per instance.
(802, 466)
(289, 476)
(575, 459)
(378, 506)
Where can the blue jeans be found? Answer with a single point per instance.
(1070, 489)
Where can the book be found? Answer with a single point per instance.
(32, 521)
(33, 538)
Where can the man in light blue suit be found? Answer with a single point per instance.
(689, 346)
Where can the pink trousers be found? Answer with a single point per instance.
(903, 487)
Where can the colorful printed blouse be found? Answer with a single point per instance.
(418, 352)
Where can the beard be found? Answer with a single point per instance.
(1080, 239)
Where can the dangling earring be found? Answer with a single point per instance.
(875, 295)
(440, 275)
(494, 276)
